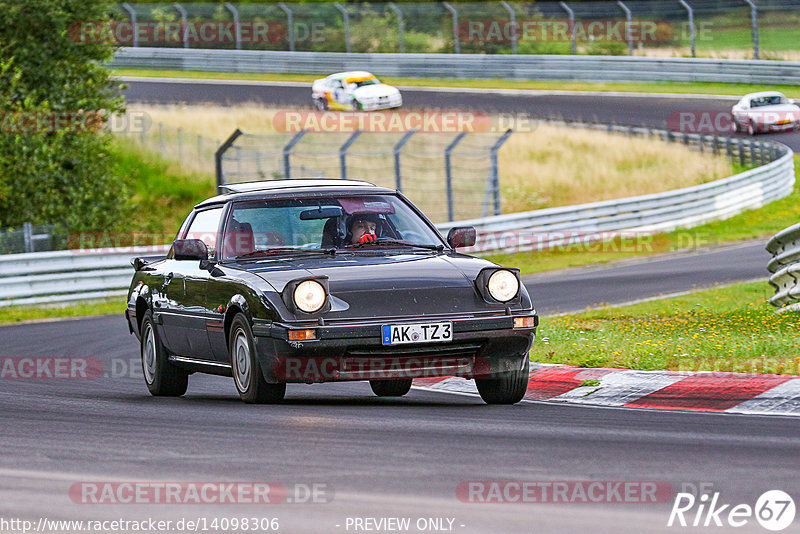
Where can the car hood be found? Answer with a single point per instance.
(401, 285)
(372, 91)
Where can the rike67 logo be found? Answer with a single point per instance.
(774, 510)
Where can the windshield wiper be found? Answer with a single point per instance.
(437, 248)
(285, 250)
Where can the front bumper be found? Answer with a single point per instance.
(480, 347)
(382, 103)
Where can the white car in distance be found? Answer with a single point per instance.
(766, 111)
(354, 91)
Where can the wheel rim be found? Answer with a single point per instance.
(241, 360)
(149, 354)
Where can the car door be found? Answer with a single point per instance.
(189, 297)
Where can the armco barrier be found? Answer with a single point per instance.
(49, 277)
(67, 275)
(499, 66)
(785, 266)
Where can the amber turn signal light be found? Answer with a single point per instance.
(301, 335)
(523, 322)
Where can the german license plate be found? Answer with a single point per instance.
(416, 333)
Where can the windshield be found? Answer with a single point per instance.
(767, 101)
(359, 82)
(293, 226)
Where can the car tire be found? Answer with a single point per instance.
(507, 388)
(356, 105)
(751, 128)
(320, 104)
(390, 388)
(163, 379)
(247, 376)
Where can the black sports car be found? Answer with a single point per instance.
(321, 280)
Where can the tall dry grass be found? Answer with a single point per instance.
(549, 166)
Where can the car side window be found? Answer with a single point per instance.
(204, 227)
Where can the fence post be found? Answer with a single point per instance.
(571, 15)
(401, 27)
(448, 169)
(346, 19)
(628, 26)
(184, 23)
(343, 153)
(134, 26)
(27, 235)
(513, 18)
(690, 11)
(754, 22)
(289, 22)
(237, 35)
(454, 13)
(287, 152)
(741, 153)
(396, 150)
(161, 146)
(495, 177)
(220, 152)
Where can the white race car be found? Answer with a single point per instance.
(354, 91)
(765, 111)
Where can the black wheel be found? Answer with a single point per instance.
(163, 379)
(356, 105)
(751, 128)
(320, 104)
(507, 388)
(247, 374)
(390, 388)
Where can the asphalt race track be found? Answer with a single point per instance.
(650, 111)
(374, 457)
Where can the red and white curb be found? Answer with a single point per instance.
(675, 390)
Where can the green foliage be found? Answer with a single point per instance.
(55, 174)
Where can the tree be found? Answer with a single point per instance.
(55, 95)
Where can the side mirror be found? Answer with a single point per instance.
(190, 249)
(462, 236)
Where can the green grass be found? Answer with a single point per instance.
(791, 91)
(759, 223)
(18, 314)
(726, 329)
(163, 194)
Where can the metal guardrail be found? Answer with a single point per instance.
(785, 266)
(52, 277)
(503, 66)
(67, 275)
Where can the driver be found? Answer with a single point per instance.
(362, 229)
